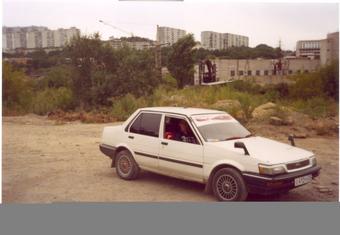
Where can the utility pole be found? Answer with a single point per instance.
(158, 55)
(158, 59)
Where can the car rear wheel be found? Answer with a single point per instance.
(228, 185)
(126, 166)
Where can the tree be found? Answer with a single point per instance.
(102, 72)
(181, 61)
(56, 77)
(17, 89)
(86, 55)
(330, 78)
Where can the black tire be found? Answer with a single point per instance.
(228, 185)
(126, 166)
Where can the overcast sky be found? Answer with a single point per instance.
(261, 22)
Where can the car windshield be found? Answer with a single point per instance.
(223, 131)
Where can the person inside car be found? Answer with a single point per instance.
(184, 132)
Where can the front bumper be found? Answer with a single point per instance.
(267, 185)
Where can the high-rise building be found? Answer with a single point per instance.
(34, 37)
(30, 40)
(47, 39)
(212, 40)
(234, 40)
(220, 41)
(169, 35)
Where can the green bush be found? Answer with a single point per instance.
(330, 80)
(307, 86)
(316, 107)
(247, 86)
(324, 82)
(169, 82)
(51, 99)
(272, 95)
(249, 103)
(123, 107)
(17, 89)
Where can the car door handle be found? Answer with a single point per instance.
(131, 137)
(164, 143)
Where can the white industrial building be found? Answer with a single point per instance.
(324, 49)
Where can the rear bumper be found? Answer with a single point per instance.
(267, 185)
(109, 151)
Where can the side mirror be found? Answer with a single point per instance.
(242, 146)
(291, 139)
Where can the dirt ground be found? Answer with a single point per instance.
(46, 162)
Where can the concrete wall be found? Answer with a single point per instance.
(261, 70)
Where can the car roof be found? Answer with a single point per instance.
(182, 110)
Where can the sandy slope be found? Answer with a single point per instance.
(44, 162)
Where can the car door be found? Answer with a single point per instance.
(143, 139)
(177, 158)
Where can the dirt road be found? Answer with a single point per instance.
(44, 163)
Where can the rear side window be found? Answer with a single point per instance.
(147, 124)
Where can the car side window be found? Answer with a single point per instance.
(147, 124)
(178, 129)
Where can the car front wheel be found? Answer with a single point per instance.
(228, 185)
(126, 166)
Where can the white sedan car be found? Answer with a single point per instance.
(209, 147)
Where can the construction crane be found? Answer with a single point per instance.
(115, 27)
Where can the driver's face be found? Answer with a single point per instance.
(182, 126)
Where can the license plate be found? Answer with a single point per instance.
(303, 180)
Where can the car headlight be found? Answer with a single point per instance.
(313, 161)
(271, 170)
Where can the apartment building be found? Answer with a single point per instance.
(220, 41)
(212, 40)
(169, 35)
(34, 37)
(47, 38)
(234, 40)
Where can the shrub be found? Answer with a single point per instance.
(330, 79)
(17, 90)
(51, 99)
(247, 86)
(169, 82)
(324, 82)
(123, 107)
(316, 107)
(272, 95)
(307, 86)
(282, 90)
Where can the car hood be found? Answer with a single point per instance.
(266, 150)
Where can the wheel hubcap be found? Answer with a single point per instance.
(227, 187)
(124, 165)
